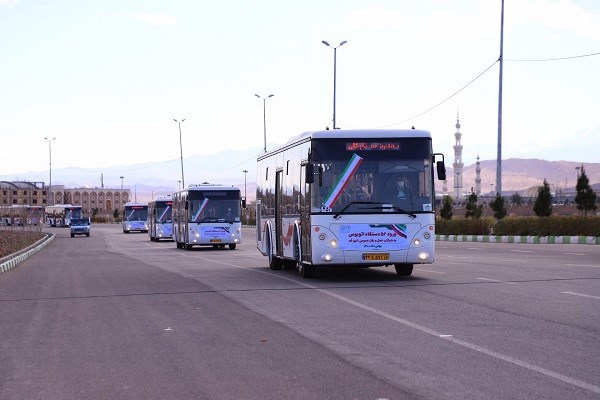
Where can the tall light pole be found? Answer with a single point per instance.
(499, 155)
(121, 181)
(264, 99)
(334, 71)
(245, 194)
(50, 198)
(180, 149)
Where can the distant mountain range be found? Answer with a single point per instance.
(525, 175)
(227, 167)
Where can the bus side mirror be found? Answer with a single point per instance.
(440, 166)
(441, 170)
(243, 203)
(310, 173)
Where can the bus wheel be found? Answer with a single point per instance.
(188, 246)
(274, 263)
(232, 246)
(305, 271)
(404, 269)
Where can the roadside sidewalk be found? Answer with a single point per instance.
(11, 261)
(520, 239)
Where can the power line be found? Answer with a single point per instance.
(447, 98)
(555, 59)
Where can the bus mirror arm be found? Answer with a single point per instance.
(244, 203)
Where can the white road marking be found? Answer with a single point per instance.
(583, 295)
(489, 280)
(582, 265)
(433, 272)
(522, 251)
(575, 254)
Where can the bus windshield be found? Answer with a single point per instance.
(372, 176)
(214, 206)
(163, 212)
(136, 213)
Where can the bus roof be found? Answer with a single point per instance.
(208, 187)
(353, 134)
(133, 203)
(363, 133)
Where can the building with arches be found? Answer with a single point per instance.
(38, 194)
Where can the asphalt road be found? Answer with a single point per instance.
(116, 316)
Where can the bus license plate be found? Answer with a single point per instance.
(215, 240)
(376, 256)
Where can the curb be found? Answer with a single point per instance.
(520, 239)
(10, 262)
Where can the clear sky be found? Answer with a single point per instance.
(106, 78)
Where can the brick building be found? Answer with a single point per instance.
(37, 193)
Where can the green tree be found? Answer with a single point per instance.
(446, 210)
(585, 197)
(499, 207)
(543, 202)
(115, 213)
(516, 199)
(473, 209)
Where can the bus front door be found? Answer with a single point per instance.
(279, 213)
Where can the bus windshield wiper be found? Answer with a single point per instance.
(397, 209)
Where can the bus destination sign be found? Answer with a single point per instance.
(372, 146)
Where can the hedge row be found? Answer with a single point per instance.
(521, 226)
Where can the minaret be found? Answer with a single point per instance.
(458, 164)
(478, 177)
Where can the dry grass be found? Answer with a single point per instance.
(12, 241)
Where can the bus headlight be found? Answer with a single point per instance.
(417, 242)
(423, 256)
(334, 243)
(326, 257)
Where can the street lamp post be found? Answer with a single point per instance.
(121, 181)
(180, 149)
(50, 198)
(245, 193)
(264, 99)
(334, 71)
(245, 175)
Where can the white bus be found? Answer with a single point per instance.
(135, 217)
(61, 214)
(160, 225)
(21, 214)
(208, 215)
(356, 198)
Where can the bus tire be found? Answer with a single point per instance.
(188, 246)
(274, 263)
(404, 269)
(232, 246)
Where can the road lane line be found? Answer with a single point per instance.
(480, 349)
(433, 272)
(522, 251)
(488, 279)
(583, 265)
(583, 295)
